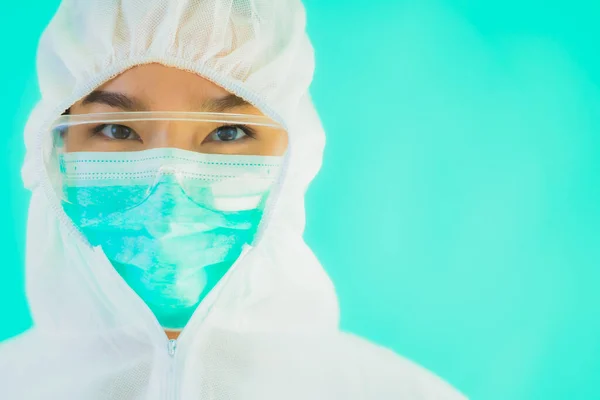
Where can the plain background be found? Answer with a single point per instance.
(457, 210)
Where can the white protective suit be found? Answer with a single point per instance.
(269, 330)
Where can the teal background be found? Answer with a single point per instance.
(457, 208)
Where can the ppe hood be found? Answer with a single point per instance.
(255, 49)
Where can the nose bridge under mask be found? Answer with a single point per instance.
(174, 195)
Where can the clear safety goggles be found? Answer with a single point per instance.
(215, 158)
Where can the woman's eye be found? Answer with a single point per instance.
(228, 134)
(117, 132)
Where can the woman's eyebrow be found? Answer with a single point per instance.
(114, 99)
(128, 103)
(223, 104)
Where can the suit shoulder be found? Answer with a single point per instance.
(387, 375)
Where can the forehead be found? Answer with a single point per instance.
(162, 85)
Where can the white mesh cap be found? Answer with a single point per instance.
(255, 48)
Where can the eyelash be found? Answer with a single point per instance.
(247, 130)
(250, 132)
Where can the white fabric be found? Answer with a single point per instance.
(270, 329)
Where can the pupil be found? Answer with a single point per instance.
(227, 133)
(120, 132)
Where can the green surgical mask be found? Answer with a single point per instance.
(172, 222)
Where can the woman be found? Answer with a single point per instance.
(168, 159)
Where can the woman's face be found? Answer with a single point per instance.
(154, 87)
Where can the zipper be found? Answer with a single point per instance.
(171, 379)
(172, 347)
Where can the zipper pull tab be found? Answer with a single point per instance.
(172, 347)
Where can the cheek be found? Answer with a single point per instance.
(272, 143)
(279, 145)
(68, 143)
(278, 148)
(74, 143)
(74, 139)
